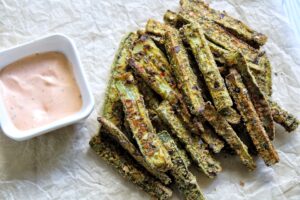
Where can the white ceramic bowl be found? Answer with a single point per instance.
(55, 42)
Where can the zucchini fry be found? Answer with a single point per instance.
(152, 104)
(220, 53)
(217, 50)
(170, 18)
(112, 108)
(231, 115)
(234, 26)
(146, 48)
(268, 69)
(152, 76)
(158, 40)
(183, 154)
(282, 117)
(143, 131)
(128, 169)
(151, 99)
(210, 138)
(222, 128)
(186, 79)
(154, 68)
(258, 99)
(146, 63)
(219, 36)
(122, 139)
(206, 63)
(197, 150)
(156, 27)
(264, 62)
(184, 179)
(253, 124)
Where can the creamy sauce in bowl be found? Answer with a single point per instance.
(39, 89)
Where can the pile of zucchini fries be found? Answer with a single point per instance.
(183, 90)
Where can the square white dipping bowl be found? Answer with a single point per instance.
(55, 42)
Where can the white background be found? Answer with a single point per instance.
(60, 165)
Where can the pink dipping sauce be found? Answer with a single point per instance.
(39, 89)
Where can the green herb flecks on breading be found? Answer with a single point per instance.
(219, 36)
(111, 153)
(213, 141)
(223, 129)
(193, 144)
(264, 80)
(231, 115)
(206, 63)
(153, 60)
(184, 179)
(184, 74)
(253, 124)
(235, 26)
(258, 98)
(112, 108)
(282, 117)
(141, 127)
(122, 139)
(148, 69)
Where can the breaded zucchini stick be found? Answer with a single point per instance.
(122, 139)
(152, 76)
(210, 138)
(236, 27)
(146, 48)
(253, 124)
(219, 36)
(186, 79)
(158, 40)
(128, 169)
(152, 104)
(183, 154)
(218, 51)
(268, 71)
(231, 115)
(258, 99)
(265, 64)
(282, 117)
(145, 61)
(222, 128)
(207, 65)
(184, 179)
(158, 68)
(151, 99)
(170, 18)
(156, 27)
(112, 108)
(198, 152)
(141, 127)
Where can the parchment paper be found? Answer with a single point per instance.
(60, 165)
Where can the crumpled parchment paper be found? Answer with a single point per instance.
(60, 165)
